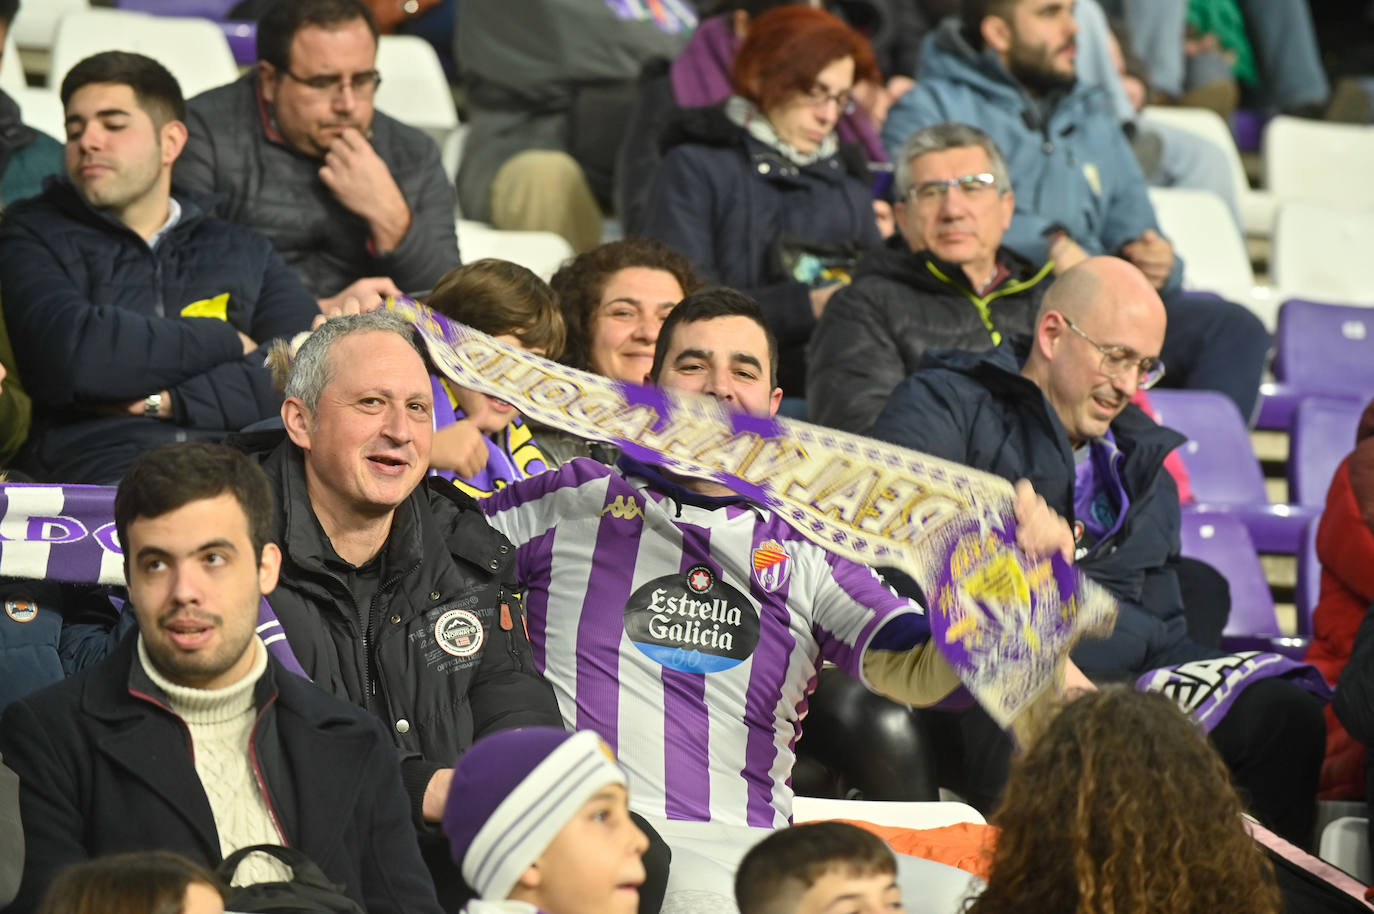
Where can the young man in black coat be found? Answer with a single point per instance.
(137, 317)
(191, 737)
(1059, 415)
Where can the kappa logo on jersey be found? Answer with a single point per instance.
(623, 508)
(459, 633)
(693, 622)
(771, 565)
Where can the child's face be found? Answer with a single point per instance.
(489, 414)
(594, 865)
(842, 891)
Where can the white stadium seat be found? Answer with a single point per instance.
(1319, 253)
(42, 110)
(542, 253)
(414, 89)
(880, 812)
(195, 51)
(1256, 206)
(1309, 161)
(36, 24)
(11, 68)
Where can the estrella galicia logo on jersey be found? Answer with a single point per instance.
(692, 622)
(771, 564)
(459, 633)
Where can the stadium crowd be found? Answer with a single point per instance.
(385, 644)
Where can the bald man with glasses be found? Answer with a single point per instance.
(1055, 409)
(356, 202)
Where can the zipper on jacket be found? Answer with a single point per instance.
(982, 303)
(257, 772)
(159, 306)
(370, 679)
(505, 620)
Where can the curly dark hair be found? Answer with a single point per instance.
(1124, 807)
(580, 282)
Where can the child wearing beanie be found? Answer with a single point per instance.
(538, 821)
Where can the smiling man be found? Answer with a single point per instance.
(686, 624)
(136, 316)
(191, 737)
(942, 281)
(399, 598)
(1056, 410)
(355, 201)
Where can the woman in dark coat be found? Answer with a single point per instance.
(759, 193)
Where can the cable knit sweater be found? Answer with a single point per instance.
(221, 723)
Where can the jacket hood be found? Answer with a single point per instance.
(948, 56)
(711, 127)
(896, 261)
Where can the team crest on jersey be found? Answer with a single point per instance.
(459, 633)
(771, 565)
(693, 622)
(21, 610)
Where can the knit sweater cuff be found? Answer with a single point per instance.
(416, 773)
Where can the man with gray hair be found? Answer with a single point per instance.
(400, 598)
(942, 281)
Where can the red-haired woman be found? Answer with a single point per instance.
(758, 193)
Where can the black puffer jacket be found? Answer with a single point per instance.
(435, 679)
(725, 200)
(95, 317)
(277, 191)
(977, 409)
(901, 304)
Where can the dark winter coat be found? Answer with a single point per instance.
(106, 767)
(901, 304)
(99, 320)
(977, 409)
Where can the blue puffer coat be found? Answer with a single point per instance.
(977, 409)
(1070, 163)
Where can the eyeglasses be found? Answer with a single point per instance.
(971, 186)
(1117, 360)
(364, 83)
(818, 97)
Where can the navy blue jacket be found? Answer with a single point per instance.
(99, 320)
(977, 409)
(724, 199)
(105, 767)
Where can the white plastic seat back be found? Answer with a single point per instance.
(42, 110)
(1310, 161)
(881, 812)
(36, 24)
(11, 68)
(195, 51)
(1203, 233)
(414, 89)
(542, 253)
(1320, 253)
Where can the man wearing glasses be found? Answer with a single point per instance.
(356, 202)
(942, 281)
(1056, 410)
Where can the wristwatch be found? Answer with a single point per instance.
(152, 406)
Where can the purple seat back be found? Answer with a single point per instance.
(1309, 584)
(1222, 542)
(1323, 434)
(1325, 349)
(206, 9)
(1220, 460)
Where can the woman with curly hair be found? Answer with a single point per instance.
(614, 300)
(1123, 807)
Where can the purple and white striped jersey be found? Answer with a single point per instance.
(687, 631)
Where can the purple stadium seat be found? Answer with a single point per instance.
(1325, 350)
(1221, 541)
(1309, 585)
(1222, 468)
(1323, 434)
(242, 36)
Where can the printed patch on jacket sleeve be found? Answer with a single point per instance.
(21, 610)
(459, 633)
(217, 307)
